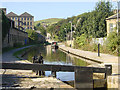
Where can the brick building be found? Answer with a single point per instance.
(23, 21)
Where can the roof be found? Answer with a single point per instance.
(26, 14)
(113, 17)
(11, 14)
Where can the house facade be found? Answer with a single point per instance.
(112, 23)
(23, 21)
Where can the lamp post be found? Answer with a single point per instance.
(117, 14)
(71, 33)
(66, 33)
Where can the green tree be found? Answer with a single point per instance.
(5, 24)
(113, 41)
(32, 35)
(41, 29)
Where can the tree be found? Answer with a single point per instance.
(5, 24)
(91, 23)
(32, 35)
(41, 29)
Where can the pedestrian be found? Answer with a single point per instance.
(40, 61)
(34, 58)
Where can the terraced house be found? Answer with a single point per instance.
(112, 22)
(23, 21)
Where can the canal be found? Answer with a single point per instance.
(58, 57)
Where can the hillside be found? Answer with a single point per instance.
(47, 22)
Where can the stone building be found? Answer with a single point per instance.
(15, 37)
(112, 23)
(23, 21)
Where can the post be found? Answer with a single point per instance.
(108, 69)
(54, 73)
(83, 79)
(71, 33)
(98, 50)
(117, 17)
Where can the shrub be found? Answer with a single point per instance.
(113, 42)
(81, 41)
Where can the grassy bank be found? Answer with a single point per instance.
(16, 54)
(6, 49)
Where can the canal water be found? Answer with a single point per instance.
(57, 57)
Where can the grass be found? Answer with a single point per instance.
(6, 49)
(19, 52)
(94, 48)
(49, 21)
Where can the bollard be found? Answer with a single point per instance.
(108, 69)
(98, 50)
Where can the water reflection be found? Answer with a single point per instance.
(52, 56)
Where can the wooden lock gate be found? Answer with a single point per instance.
(83, 75)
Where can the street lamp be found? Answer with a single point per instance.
(71, 33)
(117, 13)
(117, 16)
(66, 33)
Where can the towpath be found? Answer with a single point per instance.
(103, 59)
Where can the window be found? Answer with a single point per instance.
(27, 23)
(31, 18)
(30, 23)
(24, 23)
(27, 18)
(15, 18)
(28, 27)
(22, 18)
(111, 27)
(12, 18)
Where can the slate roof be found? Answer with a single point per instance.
(26, 14)
(113, 17)
(11, 14)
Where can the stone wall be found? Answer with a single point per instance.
(15, 36)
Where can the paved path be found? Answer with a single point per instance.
(104, 58)
(8, 56)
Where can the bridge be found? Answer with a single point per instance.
(83, 75)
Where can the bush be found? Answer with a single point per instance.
(113, 42)
(81, 41)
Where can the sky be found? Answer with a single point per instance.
(45, 10)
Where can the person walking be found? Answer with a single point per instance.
(34, 60)
(40, 61)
